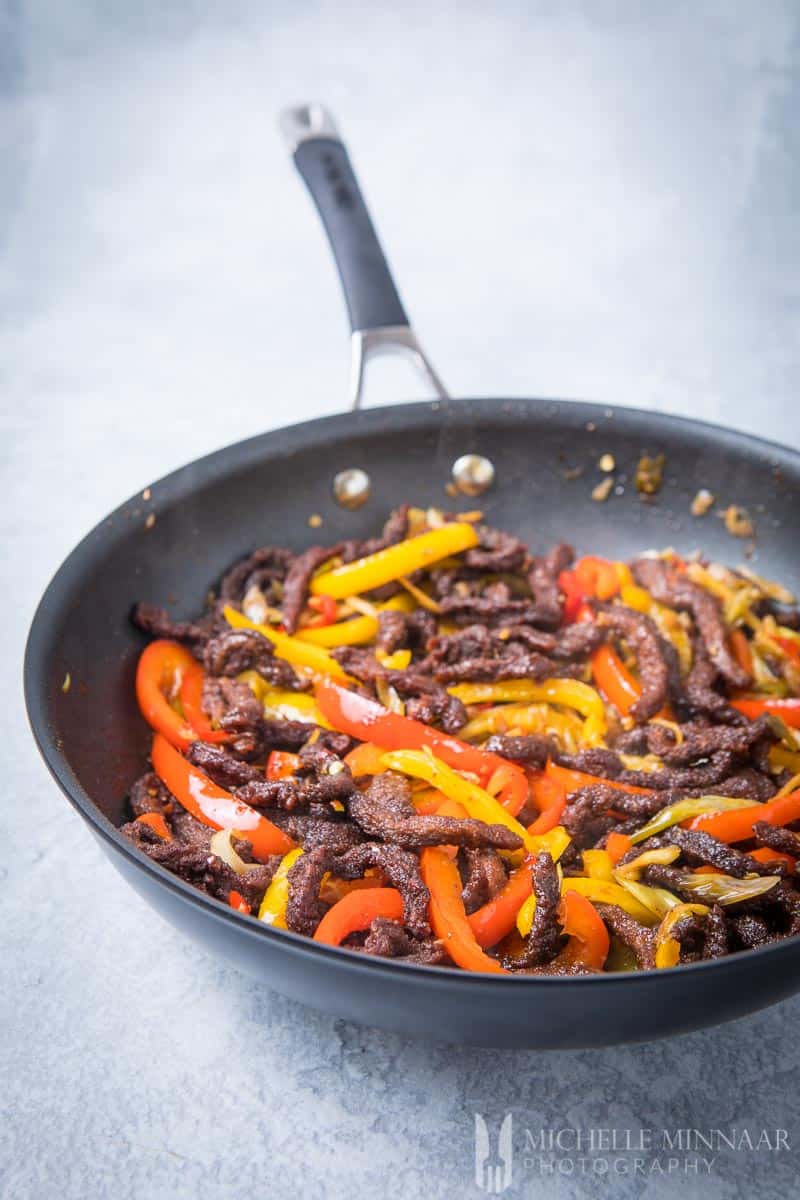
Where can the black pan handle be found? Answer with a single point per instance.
(378, 321)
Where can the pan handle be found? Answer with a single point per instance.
(378, 320)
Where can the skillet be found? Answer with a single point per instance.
(215, 510)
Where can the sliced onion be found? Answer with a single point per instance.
(724, 889)
(222, 846)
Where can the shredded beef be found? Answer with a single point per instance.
(670, 587)
(699, 847)
(544, 939)
(385, 811)
(485, 876)
(497, 551)
(158, 624)
(260, 569)
(641, 634)
(777, 838)
(209, 873)
(223, 768)
(402, 872)
(715, 930)
(404, 631)
(533, 749)
(315, 832)
(543, 582)
(149, 795)
(298, 577)
(240, 650)
(638, 938)
(388, 939)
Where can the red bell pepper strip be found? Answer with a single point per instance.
(740, 649)
(495, 920)
(357, 910)
(753, 706)
(159, 672)
(597, 577)
(791, 648)
(212, 805)
(550, 797)
(765, 854)
(326, 607)
(192, 703)
(614, 679)
(571, 780)
(737, 824)
(157, 823)
(447, 915)
(237, 901)
(589, 942)
(282, 764)
(617, 844)
(370, 722)
(574, 596)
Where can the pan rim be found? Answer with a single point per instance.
(234, 456)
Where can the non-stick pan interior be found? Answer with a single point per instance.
(81, 655)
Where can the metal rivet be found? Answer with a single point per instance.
(473, 474)
(351, 487)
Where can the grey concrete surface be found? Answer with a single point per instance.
(581, 199)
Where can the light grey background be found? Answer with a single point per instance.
(582, 199)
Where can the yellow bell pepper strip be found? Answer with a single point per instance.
(404, 558)
(272, 910)
(211, 804)
(668, 948)
(160, 672)
(494, 920)
(398, 661)
(292, 649)
(370, 722)
(293, 706)
(589, 942)
(738, 826)
(421, 764)
(570, 693)
(447, 915)
(526, 718)
(682, 810)
(780, 757)
(753, 706)
(356, 911)
(598, 865)
(356, 631)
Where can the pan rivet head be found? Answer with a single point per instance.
(351, 487)
(473, 474)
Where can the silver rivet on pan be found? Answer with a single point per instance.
(473, 474)
(351, 487)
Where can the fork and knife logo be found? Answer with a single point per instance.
(493, 1170)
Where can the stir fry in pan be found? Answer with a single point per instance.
(438, 747)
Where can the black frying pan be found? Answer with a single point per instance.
(263, 490)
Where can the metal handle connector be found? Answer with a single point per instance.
(366, 344)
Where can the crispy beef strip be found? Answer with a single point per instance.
(777, 838)
(220, 766)
(388, 939)
(304, 909)
(544, 939)
(321, 779)
(642, 635)
(747, 931)
(385, 811)
(497, 552)
(425, 699)
(701, 695)
(638, 938)
(715, 930)
(298, 577)
(597, 798)
(533, 749)
(260, 569)
(543, 582)
(404, 631)
(700, 740)
(485, 877)
(240, 650)
(477, 654)
(314, 832)
(672, 588)
(196, 865)
(157, 623)
(402, 872)
(698, 847)
(149, 795)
